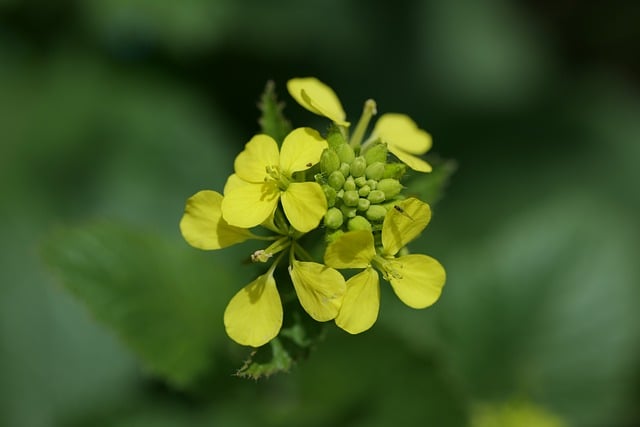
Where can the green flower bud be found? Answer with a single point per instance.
(375, 171)
(333, 218)
(351, 198)
(358, 223)
(345, 152)
(335, 138)
(348, 211)
(376, 213)
(376, 153)
(372, 183)
(329, 161)
(358, 166)
(363, 191)
(390, 187)
(376, 196)
(363, 204)
(331, 237)
(394, 170)
(330, 194)
(344, 169)
(360, 181)
(349, 184)
(336, 180)
(340, 193)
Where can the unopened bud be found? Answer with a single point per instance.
(349, 184)
(333, 218)
(390, 187)
(394, 170)
(329, 161)
(376, 196)
(358, 166)
(330, 194)
(345, 152)
(372, 183)
(375, 171)
(376, 213)
(348, 211)
(336, 180)
(363, 204)
(350, 198)
(364, 191)
(358, 223)
(376, 153)
(360, 181)
(344, 169)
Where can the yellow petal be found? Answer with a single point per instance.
(261, 151)
(418, 280)
(202, 225)
(251, 204)
(404, 223)
(304, 204)
(234, 181)
(319, 288)
(354, 249)
(404, 139)
(254, 315)
(415, 163)
(400, 131)
(318, 98)
(361, 302)
(300, 150)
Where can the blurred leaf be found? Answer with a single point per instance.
(272, 121)
(430, 187)
(545, 309)
(180, 26)
(150, 291)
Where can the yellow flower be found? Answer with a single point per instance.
(203, 227)
(253, 317)
(416, 279)
(264, 176)
(401, 134)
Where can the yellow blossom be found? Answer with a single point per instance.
(264, 175)
(401, 134)
(416, 279)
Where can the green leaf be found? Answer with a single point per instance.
(272, 121)
(430, 187)
(296, 340)
(156, 295)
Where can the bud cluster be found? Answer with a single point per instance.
(359, 185)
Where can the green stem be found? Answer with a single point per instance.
(367, 112)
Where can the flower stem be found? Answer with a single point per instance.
(367, 112)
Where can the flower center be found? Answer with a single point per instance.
(274, 174)
(390, 268)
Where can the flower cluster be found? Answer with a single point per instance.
(341, 183)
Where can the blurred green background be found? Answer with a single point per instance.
(113, 112)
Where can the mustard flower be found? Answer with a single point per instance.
(415, 278)
(264, 175)
(401, 134)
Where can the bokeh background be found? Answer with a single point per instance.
(113, 112)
